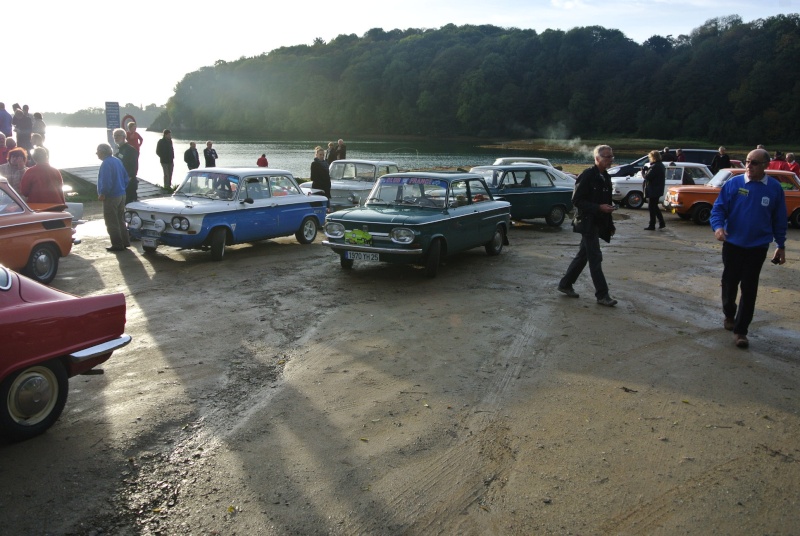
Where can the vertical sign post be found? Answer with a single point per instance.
(112, 120)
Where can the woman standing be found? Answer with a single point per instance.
(654, 182)
(320, 177)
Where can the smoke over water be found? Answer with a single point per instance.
(556, 136)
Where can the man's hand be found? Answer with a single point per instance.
(720, 234)
(779, 257)
(607, 208)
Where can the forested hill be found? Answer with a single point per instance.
(726, 82)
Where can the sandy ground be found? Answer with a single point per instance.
(274, 393)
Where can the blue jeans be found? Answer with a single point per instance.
(588, 252)
(742, 267)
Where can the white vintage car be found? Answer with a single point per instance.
(629, 191)
(352, 180)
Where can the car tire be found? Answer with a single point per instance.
(32, 399)
(794, 219)
(495, 245)
(701, 214)
(307, 231)
(347, 264)
(556, 216)
(218, 238)
(434, 258)
(683, 215)
(634, 200)
(43, 263)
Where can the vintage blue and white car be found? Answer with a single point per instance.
(419, 218)
(214, 207)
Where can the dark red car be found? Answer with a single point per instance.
(46, 337)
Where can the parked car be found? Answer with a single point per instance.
(533, 190)
(214, 207)
(48, 337)
(419, 218)
(351, 181)
(32, 241)
(697, 156)
(695, 202)
(630, 190)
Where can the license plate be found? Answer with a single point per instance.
(148, 242)
(359, 256)
(674, 210)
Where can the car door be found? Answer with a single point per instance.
(290, 205)
(259, 219)
(480, 221)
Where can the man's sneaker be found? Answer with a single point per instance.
(608, 301)
(569, 291)
(728, 323)
(741, 341)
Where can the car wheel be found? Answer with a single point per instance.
(43, 263)
(556, 216)
(434, 258)
(701, 214)
(32, 399)
(307, 232)
(634, 200)
(347, 264)
(683, 215)
(495, 245)
(218, 238)
(795, 219)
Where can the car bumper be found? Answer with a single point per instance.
(99, 349)
(174, 240)
(339, 247)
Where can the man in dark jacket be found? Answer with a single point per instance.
(191, 156)
(592, 199)
(655, 178)
(130, 161)
(721, 161)
(166, 154)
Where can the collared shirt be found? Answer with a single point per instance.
(112, 178)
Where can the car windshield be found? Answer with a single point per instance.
(210, 185)
(720, 178)
(489, 175)
(352, 171)
(409, 191)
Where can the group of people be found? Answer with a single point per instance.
(320, 174)
(166, 155)
(24, 160)
(748, 215)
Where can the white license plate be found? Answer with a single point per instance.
(359, 256)
(148, 242)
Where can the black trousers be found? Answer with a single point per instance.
(655, 212)
(588, 252)
(741, 267)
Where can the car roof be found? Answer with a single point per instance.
(241, 170)
(442, 175)
(359, 161)
(684, 164)
(516, 166)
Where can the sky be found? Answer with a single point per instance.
(83, 53)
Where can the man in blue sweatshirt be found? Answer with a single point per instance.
(112, 180)
(748, 214)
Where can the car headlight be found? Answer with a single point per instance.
(402, 235)
(180, 223)
(334, 230)
(159, 226)
(133, 220)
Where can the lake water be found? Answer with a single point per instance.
(75, 147)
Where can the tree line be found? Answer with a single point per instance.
(726, 82)
(96, 117)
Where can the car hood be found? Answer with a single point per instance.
(389, 215)
(182, 204)
(701, 189)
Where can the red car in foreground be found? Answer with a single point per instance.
(46, 337)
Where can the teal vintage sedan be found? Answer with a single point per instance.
(534, 190)
(420, 218)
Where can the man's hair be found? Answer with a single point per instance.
(167, 131)
(119, 131)
(599, 148)
(104, 149)
(40, 155)
(18, 151)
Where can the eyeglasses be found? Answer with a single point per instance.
(754, 163)
(611, 156)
